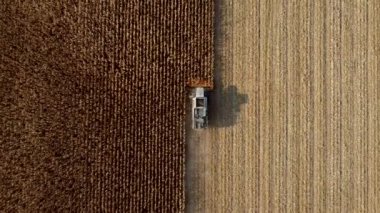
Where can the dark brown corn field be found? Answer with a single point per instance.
(92, 102)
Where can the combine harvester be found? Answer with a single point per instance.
(199, 108)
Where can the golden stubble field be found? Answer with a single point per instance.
(295, 115)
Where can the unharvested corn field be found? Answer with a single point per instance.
(92, 102)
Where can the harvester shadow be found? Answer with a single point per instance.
(224, 102)
(224, 106)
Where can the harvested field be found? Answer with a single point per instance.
(295, 123)
(92, 102)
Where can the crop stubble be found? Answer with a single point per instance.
(307, 140)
